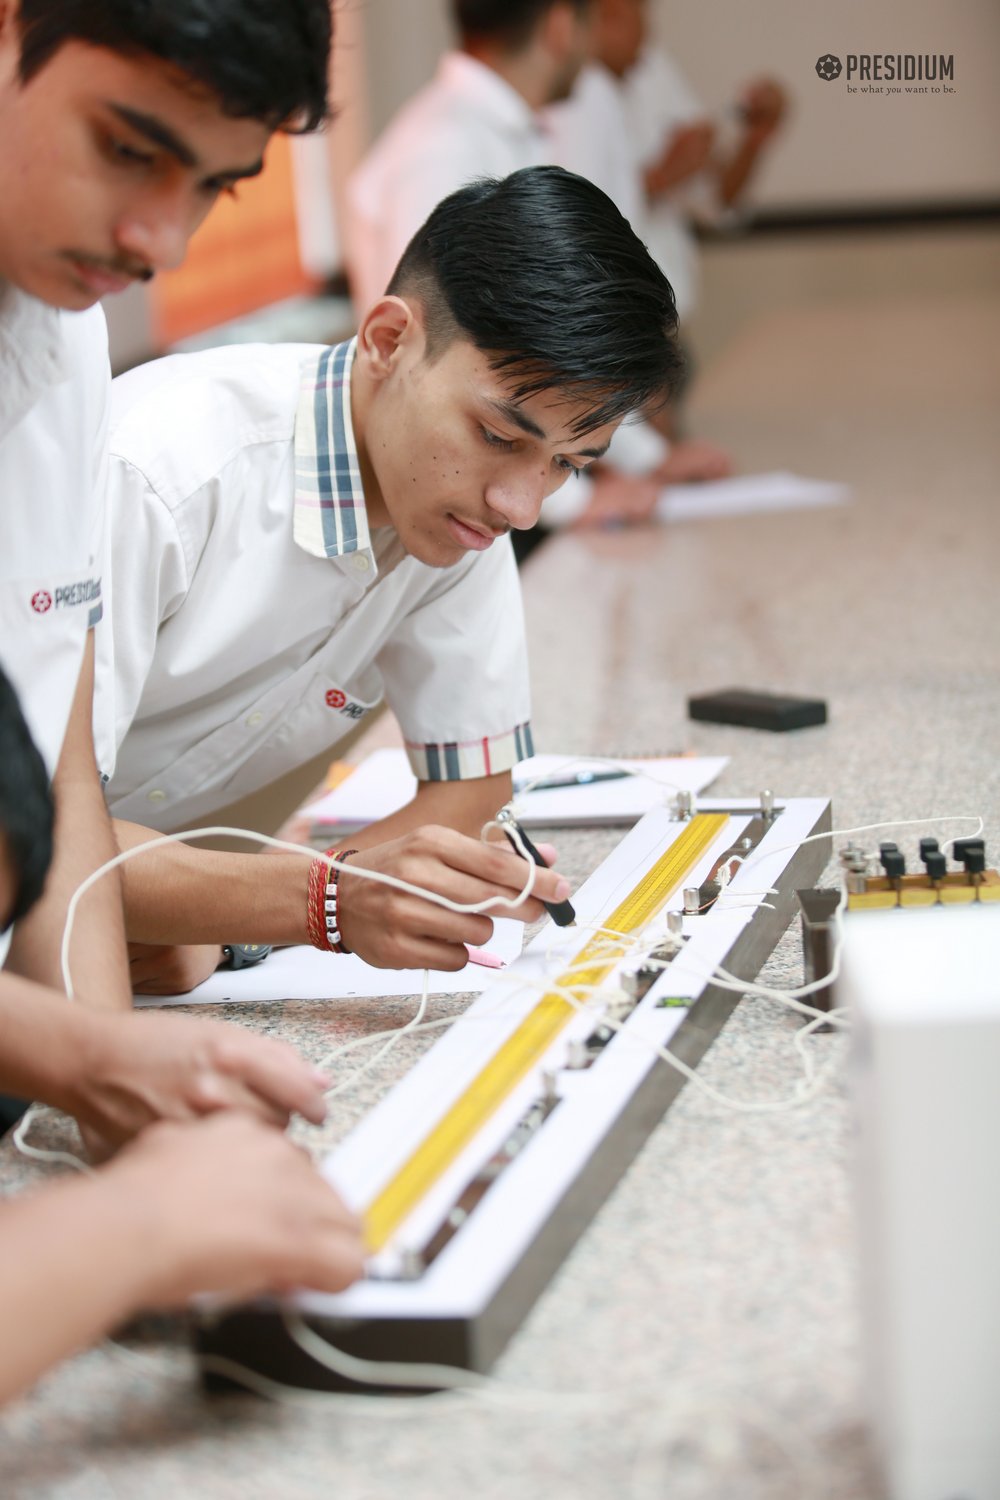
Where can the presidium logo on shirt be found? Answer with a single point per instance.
(69, 596)
(338, 700)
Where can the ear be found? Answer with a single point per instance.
(388, 332)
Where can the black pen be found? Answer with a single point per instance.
(561, 912)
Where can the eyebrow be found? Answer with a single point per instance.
(511, 412)
(168, 140)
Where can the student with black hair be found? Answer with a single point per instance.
(487, 112)
(122, 121)
(335, 527)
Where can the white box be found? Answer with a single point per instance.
(923, 987)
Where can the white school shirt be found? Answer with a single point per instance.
(658, 99)
(257, 619)
(54, 383)
(589, 133)
(466, 123)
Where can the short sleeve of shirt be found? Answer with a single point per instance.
(456, 673)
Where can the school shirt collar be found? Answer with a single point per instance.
(32, 356)
(486, 93)
(330, 519)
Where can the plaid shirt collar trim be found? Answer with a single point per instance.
(329, 509)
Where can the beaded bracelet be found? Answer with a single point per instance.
(322, 923)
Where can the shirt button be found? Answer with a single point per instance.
(254, 720)
(362, 563)
(157, 796)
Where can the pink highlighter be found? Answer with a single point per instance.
(485, 959)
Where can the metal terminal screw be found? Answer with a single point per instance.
(411, 1265)
(683, 806)
(767, 805)
(692, 900)
(675, 923)
(577, 1055)
(622, 1004)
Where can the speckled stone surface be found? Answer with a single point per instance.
(713, 1298)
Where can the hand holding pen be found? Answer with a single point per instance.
(561, 912)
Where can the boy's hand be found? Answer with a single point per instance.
(171, 968)
(394, 930)
(230, 1206)
(764, 105)
(137, 1069)
(687, 152)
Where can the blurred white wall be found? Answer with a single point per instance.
(839, 149)
(844, 149)
(403, 40)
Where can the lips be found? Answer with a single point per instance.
(99, 279)
(472, 538)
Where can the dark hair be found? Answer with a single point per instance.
(264, 59)
(544, 275)
(511, 22)
(26, 808)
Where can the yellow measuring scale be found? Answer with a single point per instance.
(529, 1042)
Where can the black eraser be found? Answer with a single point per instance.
(757, 710)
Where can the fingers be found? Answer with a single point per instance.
(416, 934)
(334, 1263)
(390, 928)
(496, 864)
(236, 1209)
(278, 1082)
(213, 1091)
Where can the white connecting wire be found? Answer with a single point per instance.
(452, 1384)
(65, 1158)
(446, 1377)
(380, 877)
(394, 1037)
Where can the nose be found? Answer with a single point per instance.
(517, 498)
(156, 232)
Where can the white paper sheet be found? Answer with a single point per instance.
(747, 494)
(307, 974)
(384, 783)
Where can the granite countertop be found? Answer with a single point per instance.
(714, 1295)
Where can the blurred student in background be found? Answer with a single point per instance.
(634, 125)
(692, 169)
